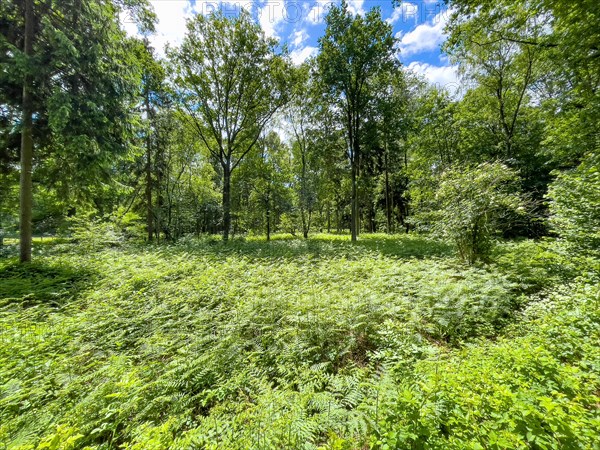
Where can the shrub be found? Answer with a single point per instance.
(575, 204)
(471, 205)
(93, 233)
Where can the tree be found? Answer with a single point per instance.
(470, 204)
(390, 118)
(231, 82)
(154, 96)
(505, 70)
(265, 174)
(25, 183)
(562, 37)
(302, 115)
(187, 198)
(354, 51)
(75, 100)
(535, 103)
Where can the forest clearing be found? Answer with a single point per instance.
(369, 225)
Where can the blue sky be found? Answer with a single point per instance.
(418, 24)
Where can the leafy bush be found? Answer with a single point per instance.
(470, 204)
(575, 204)
(93, 233)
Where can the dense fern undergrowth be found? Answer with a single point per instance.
(390, 343)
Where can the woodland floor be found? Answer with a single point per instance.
(388, 343)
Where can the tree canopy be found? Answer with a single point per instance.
(186, 143)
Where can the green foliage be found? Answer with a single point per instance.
(40, 284)
(229, 57)
(470, 205)
(93, 233)
(536, 388)
(230, 82)
(272, 342)
(285, 344)
(354, 52)
(264, 179)
(575, 204)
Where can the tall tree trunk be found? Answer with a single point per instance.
(226, 200)
(303, 196)
(26, 184)
(268, 214)
(149, 209)
(354, 220)
(388, 204)
(304, 227)
(354, 206)
(159, 167)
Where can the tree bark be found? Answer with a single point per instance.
(354, 220)
(26, 184)
(268, 214)
(388, 209)
(226, 200)
(149, 209)
(354, 206)
(306, 228)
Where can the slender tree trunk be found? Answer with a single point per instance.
(149, 210)
(388, 209)
(303, 196)
(26, 184)
(372, 217)
(305, 220)
(226, 200)
(306, 229)
(159, 167)
(353, 162)
(354, 220)
(354, 206)
(268, 215)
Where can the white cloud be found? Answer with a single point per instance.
(299, 37)
(171, 26)
(424, 37)
(172, 16)
(270, 16)
(128, 24)
(443, 77)
(228, 7)
(406, 11)
(356, 7)
(302, 54)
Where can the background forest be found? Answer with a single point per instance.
(219, 248)
(230, 137)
